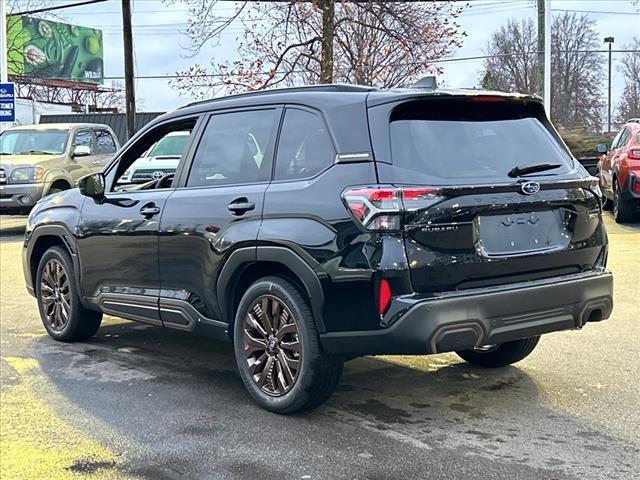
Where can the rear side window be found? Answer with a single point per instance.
(625, 138)
(232, 149)
(449, 141)
(304, 148)
(104, 142)
(617, 140)
(84, 138)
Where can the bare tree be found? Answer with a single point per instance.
(577, 73)
(292, 43)
(629, 105)
(577, 70)
(512, 66)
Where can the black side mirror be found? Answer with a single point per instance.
(602, 148)
(92, 185)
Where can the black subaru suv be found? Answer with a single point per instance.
(313, 225)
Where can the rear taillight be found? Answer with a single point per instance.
(381, 208)
(636, 185)
(634, 154)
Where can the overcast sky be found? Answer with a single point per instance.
(158, 39)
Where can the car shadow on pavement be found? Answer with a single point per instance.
(166, 390)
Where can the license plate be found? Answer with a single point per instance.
(522, 233)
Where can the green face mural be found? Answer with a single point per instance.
(53, 50)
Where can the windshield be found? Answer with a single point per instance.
(169, 146)
(34, 142)
(480, 145)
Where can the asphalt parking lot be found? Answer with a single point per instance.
(142, 402)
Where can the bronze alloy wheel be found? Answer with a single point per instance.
(55, 295)
(272, 346)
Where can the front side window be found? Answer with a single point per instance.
(304, 148)
(84, 138)
(104, 142)
(232, 149)
(33, 142)
(144, 162)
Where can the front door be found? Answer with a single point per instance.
(215, 209)
(118, 237)
(118, 251)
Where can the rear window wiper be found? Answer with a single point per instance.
(537, 167)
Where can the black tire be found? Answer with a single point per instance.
(623, 210)
(54, 190)
(502, 354)
(79, 323)
(317, 374)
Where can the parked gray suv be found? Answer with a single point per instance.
(38, 160)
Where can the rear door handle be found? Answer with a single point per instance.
(149, 210)
(241, 205)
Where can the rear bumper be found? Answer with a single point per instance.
(460, 321)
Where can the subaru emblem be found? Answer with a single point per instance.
(529, 188)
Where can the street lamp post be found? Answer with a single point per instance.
(609, 40)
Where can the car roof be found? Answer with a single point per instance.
(59, 126)
(344, 106)
(334, 92)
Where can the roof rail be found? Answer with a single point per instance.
(634, 120)
(329, 87)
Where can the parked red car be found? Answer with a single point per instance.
(619, 172)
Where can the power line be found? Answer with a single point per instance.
(57, 7)
(602, 12)
(443, 60)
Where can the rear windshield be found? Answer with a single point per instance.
(459, 141)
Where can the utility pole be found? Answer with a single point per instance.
(328, 30)
(130, 95)
(544, 53)
(609, 40)
(541, 48)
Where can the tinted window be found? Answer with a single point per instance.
(304, 148)
(232, 149)
(85, 138)
(616, 141)
(624, 139)
(475, 143)
(104, 142)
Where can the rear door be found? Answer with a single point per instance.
(216, 209)
(470, 224)
(106, 147)
(83, 165)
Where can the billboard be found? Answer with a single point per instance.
(53, 50)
